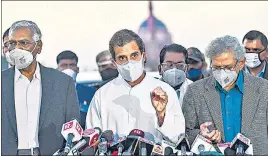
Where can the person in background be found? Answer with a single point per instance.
(5, 39)
(197, 66)
(4, 64)
(229, 102)
(135, 100)
(106, 67)
(36, 100)
(173, 68)
(255, 44)
(67, 63)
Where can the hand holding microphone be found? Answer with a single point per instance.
(213, 136)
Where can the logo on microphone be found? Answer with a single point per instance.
(94, 139)
(158, 149)
(79, 128)
(68, 125)
(136, 131)
(89, 131)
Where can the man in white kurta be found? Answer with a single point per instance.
(119, 107)
(135, 100)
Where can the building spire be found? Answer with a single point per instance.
(151, 7)
(151, 19)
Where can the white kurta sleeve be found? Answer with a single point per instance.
(93, 118)
(174, 122)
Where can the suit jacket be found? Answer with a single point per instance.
(59, 104)
(202, 104)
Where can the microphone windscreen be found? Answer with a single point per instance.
(229, 151)
(108, 135)
(168, 151)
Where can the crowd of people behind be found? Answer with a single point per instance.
(220, 101)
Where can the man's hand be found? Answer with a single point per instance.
(214, 135)
(159, 100)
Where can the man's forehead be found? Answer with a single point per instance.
(21, 33)
(174, 57)
(105, 58)
(129, 47)
(225, 58)
(67, 61)
(253, 43)
(5, 39)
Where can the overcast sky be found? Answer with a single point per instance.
(86, 27)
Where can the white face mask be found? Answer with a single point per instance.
(20, 58)
(223, 77)
(174, 77)
(71, 73)
(252, 60)
(131, 70)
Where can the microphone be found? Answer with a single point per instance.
(168, 151)
(119, 145)
(201, 144)
(71, 131)
(120, 149)
(229, 151)
(240, 143)
(171, 145)
(102, 147)
(157, 150)
(201, 149)
(146, 144)
(183, 144)
(106, 136)
(90, 136)
(133, 139)
(142, 150)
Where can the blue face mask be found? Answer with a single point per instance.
(193, 74)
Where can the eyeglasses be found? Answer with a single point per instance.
(170, 65)
(225, 68)
(11, 44)
(255, 50)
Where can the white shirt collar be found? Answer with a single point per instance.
(36, 74)
(124, 82)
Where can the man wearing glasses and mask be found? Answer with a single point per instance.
(36, 100)
(228, 102)
(255, 44)
(173, 68)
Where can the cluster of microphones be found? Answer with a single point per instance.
(95, 142)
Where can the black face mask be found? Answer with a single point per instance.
(108, 73)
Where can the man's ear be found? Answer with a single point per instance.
(39, 46)
(160, 70)
(242, 63)
(144, 57)
(78, 70)
(114, 63)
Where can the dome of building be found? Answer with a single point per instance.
(155, 35)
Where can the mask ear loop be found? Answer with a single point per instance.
(260, 54)
(34, 58)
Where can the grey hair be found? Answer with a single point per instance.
(225, 44)
(27, 24)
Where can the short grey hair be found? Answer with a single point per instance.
(27, 24)
(223, 44)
